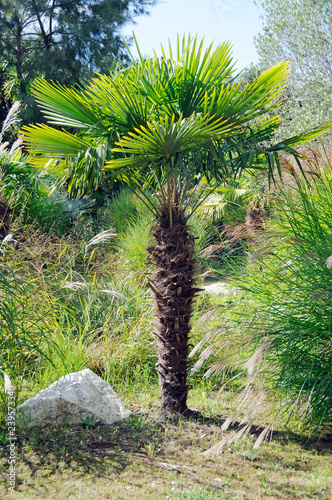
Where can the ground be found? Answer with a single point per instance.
(151, 457)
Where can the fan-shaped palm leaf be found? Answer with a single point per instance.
(77, 162)
(65, 106)
(160, 140)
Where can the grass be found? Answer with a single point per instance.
(287, 303)
(146, 456)
(149, 457)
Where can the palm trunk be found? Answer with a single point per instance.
(173, 286)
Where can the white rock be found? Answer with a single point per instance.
(73, 397)
(328, 262)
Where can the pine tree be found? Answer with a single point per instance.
(64, 40)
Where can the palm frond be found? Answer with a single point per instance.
(255, 100)
(53, 142)
(303, 138)
(65, 106)
(167, 137)
(75, 161)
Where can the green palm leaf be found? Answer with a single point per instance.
(303, 138)
(65, 106)
(165, 138)
(256, 99)
(53, 142)
(73, 160)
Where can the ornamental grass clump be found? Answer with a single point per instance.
(289, 298)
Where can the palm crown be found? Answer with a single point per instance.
(153, 113)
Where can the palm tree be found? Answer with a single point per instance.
(160, 125)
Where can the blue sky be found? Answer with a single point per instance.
(219, 20)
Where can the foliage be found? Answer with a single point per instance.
(24, 330)
(9, 88)
(288, 298)
(202, 121)
(25, 190)
(67, 39)
(27, 195)
(122, 211)
(288, 27)
(92, 301)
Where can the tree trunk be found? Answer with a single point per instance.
(19, 54)
(173, 286)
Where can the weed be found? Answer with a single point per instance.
(88, 421)
(201, 494)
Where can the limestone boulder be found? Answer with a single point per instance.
(76, 396)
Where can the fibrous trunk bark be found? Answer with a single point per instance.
(173, 286)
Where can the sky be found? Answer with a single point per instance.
(235, 20)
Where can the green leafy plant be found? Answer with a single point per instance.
(294, 289)
(88, 421)
(24, 193)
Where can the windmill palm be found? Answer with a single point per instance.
(160, 125)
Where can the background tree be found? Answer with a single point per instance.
(300, 31)
(63, 40)
(160, 125)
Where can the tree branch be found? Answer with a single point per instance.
(46, 37)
